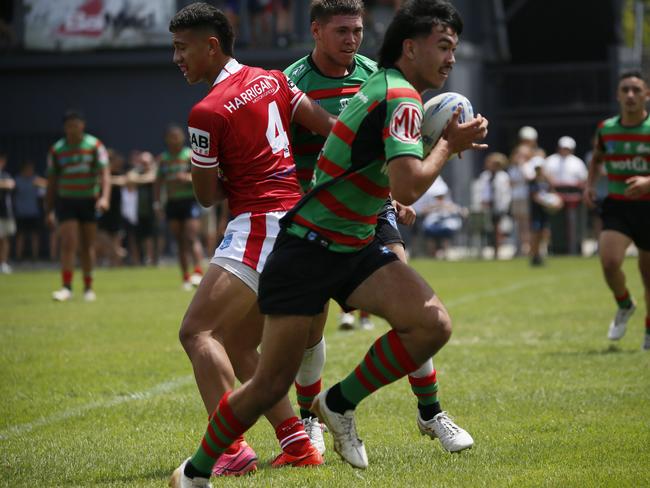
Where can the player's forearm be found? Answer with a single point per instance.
(50, 194)
(410, 185)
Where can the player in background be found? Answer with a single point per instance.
(78, 191)
(332, 74)
(181, 210)
(327, 247)
(623, 144)
(240, 151)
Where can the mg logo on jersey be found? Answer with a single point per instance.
(200, 141)
(406, 122)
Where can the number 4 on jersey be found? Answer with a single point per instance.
(275, 133)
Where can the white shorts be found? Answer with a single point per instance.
(246, 244)
(7, 227)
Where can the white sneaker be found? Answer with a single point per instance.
(187, 286)
(5, 268)
(619, 324)
(452, 437)
(62, 295)
(346, 441)
(195, 279)
(366, 324)
(346, 321)
(314, 430)
(646, 342)
(179, 480)
(89, 296)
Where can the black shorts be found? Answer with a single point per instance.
(81, 209)
(28, 224)
(184, 209)
(631, 218)
(146, 227)
(386, 230)
(300, 276)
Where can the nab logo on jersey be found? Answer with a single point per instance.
(406, 122)
(200, 141)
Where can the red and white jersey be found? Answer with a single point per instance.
(241, 127)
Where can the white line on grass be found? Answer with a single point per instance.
(158, 389)
(470, 297)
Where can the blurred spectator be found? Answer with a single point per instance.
(143, 176)
(439, 218)
(7, 223)
(527, 135)
(521, 173)
(543, 201)
(564, 169)
(28, 195)
(495, 196)
(129, 211)
(109, 226)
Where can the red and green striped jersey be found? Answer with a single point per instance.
(380, 123)
(330, 93)
(625, 153)
(77, 166)
(169, 166)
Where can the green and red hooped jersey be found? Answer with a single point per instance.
(77, 167)
(625, 153)
(331, 93)
(169, 166)
(380, 123)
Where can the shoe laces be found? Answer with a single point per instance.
(311, 424)
(450, 428)
(349, 429)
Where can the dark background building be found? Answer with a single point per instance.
(551, 64)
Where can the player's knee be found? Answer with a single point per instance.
(437, 325)
(610, 264)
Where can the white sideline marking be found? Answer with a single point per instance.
(470, 297)
(158, 389)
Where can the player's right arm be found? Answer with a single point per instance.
(204, 129)
(410, 176)
(589, 193)
(314, 117)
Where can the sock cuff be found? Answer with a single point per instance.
(423, 380)
(624, 296)
(309, 390)
(223, 410)
(401, 354)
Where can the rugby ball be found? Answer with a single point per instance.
(437, 114)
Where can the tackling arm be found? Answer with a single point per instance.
(314, 117)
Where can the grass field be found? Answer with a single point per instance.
(101, 394)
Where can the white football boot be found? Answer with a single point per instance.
(89, 296)
(344, 432)
(619, 325)
(452, 437)
(62, 295)
(179, 480)
(314, 430)
(346, 321)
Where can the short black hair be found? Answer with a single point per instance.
(73, 114)
(633, 73)
(416, 18)
(203, 16)
(323, 10)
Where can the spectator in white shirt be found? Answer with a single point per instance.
(564, 169)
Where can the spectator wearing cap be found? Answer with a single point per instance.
(564, 169)
(527, 135)
(567, 174)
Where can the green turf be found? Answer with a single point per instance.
(101, 394)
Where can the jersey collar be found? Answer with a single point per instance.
(230, 68)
